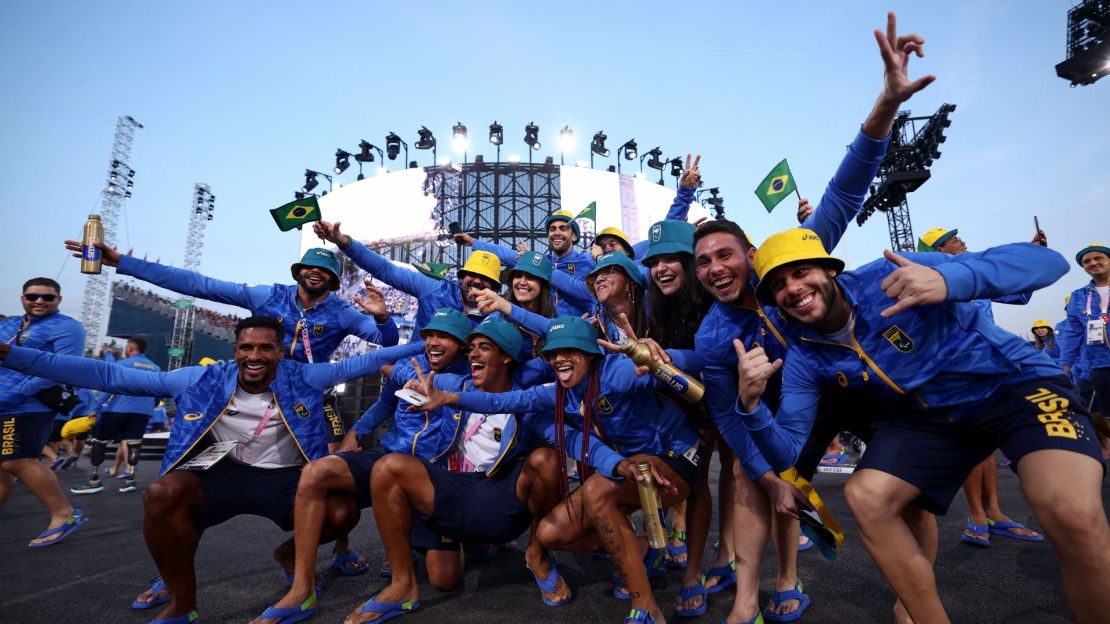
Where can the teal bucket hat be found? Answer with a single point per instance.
(669, 237)
(449, 321)
(503, 334)
(563, 215)
(534, 264)
(571, 332)
(321, 258)
(617, 258)
(1088, 249)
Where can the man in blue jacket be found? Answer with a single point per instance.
(950, 387)
(28, 404)
(1084, 335)
(497, 485)
(123, 419)
(265, 409)
(723, 256)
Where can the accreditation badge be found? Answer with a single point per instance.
(1096, 331)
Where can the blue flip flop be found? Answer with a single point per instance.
(69, 462)
(72, 523)
(1003, 529)
(387, 610)
(291, 615)
(727, 574)
(694, 591)
(802, 547)
(674, 552)
(156, 586)
(791, 594)
(550, 584)
(57, 463)
(976, 529)
(191, 617)
(654, 563)
(340, 562)
(639, 616)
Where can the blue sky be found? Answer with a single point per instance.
(244, 96)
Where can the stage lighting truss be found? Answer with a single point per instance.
(1088, 43)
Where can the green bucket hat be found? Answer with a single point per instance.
(563, 215)
(449, 321)
(534, 264)
(669, 237)
(320, 258)
(617, 258)
(503, 333)
(571, 332)
(1088, 249)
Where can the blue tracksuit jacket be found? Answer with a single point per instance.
(763, 326)
(327, 322)
(56, 333)
(1073, 336)
(946, 358)
(202, 393)
(132, 404)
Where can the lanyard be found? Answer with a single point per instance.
(1104, 304)
(474, 428)
(265, 418)
(301, 329)
(27, 321)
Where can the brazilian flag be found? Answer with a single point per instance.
(434, 270)
(776, 186)
(589, 212)
(296, 213)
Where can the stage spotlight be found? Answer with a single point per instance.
(392, 145)
(676, 166)
(598, 145)
(365, 155)
(427, 141)
(309, 181)
(458, 137)
(496, 133)
(342, 160)
(566, 140)
(654, 161)
(715, 200)
(298, 195)
(629, 149)
(532, 136)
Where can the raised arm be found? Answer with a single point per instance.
(325, 375)
(411, 282)
(90, 373)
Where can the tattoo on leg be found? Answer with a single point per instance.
(607, 537)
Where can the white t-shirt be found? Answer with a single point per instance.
(272, 447)
(1103, 294)
(844, 334)
(482, 447)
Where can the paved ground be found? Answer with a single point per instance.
(94, 575)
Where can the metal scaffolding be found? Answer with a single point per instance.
(201, 211)
(117, 189)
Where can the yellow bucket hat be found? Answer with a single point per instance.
(1045, 324)
(484, 264)
(616, 233)
(786, 247)
(934, 238)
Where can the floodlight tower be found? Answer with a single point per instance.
(905, 168)
(201, 211)
(121, 178)
(1088, 43)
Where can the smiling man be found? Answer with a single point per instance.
(267, 409)
(944, 386)
(1084, 334)
(28, 405)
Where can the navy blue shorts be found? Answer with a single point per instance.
(937, 455)
(361, 464)
(22, 436)
(120, 426)
(56, 430)
(687, 467)
(473, 508)
(232, 489)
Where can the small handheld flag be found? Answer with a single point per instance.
(296, 213)
(589, 212)
(434, 270)
(776, 186)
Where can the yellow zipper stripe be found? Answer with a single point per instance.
(296, 334)
(290, 429)
(863, 356)
(771, 326)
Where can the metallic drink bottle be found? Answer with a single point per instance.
(654, 524)
(682, 384)
(90, 255)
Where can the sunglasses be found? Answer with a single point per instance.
(33, 297)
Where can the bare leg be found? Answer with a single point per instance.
(973, 491)
(878, 501)
(751, 528)
(43, 483)
(172, 505)
(726, 512)
(923, 525)
(785, 529)
(699, 516)
(990, 497)
(538, 487)
(1074, 520)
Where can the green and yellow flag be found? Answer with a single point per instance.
(589, 212)
(776, 186)
(296, 213)
(434, 270)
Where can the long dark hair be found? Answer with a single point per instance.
(543, 304)
(672, 321)
(589, 404)
(637, 312)
(1048, 342)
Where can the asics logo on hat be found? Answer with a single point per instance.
(810, 237)
(325, 253)
(554, 327)
(440, 314)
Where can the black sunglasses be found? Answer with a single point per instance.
(33, 297)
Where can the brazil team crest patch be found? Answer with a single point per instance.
(895, 336)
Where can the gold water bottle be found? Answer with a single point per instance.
(90, 254)
(687, 387)
(654, 525)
